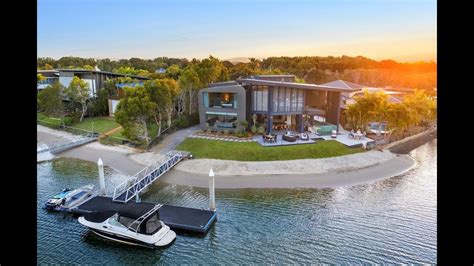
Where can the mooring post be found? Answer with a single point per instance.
(212, 199)
(100, 164)
(137, 197)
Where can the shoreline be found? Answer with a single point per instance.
(348, 170)
(333, 179)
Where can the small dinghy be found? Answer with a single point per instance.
(57, 199)
(67, 200)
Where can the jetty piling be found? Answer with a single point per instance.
(100, 165)
(212, 198)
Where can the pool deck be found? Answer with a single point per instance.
(350, 142)
(281, 142)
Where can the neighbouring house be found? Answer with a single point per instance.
(51, 76)
(278, 102)
(114, 100)
(95, 79)
(347, 98)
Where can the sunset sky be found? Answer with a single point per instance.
(402, 30)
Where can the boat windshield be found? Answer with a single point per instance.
(149, 227)
(78, 195)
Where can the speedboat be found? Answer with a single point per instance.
(56, 200)
(136, 224)
(72, 199)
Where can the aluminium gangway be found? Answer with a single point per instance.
(141, 180)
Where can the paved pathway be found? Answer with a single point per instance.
(170, 142)
(110, 132)
(223, 138)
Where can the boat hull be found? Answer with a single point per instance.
(162, 238)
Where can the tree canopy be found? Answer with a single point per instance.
(50, 99)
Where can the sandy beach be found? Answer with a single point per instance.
(331, 172)
(330, 179)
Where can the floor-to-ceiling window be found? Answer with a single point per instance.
(260, 98)
(288, 100)
(221, 120)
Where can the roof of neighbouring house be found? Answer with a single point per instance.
(344, 85)
(100, 72)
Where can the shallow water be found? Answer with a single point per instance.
(390, 221)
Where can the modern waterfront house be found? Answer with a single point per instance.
(278, 102)
(95, 79)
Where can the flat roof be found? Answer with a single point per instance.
(293, 85)
(276, 76)
(101, 72)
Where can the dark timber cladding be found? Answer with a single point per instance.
(181, 218)
(333, 110)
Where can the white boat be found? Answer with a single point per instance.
(137, 225)
(70, 199)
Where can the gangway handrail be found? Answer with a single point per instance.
(141, 181)
(72, 142)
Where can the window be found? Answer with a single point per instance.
(220, 100)
(287, 99)
(221, 120)
(205, 97)
(294, 100)
(259, 98)
(300, 100)
(281, 99)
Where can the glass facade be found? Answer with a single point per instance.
(288, 100)
(220, 100)
(260, 98)
(221, 120)
(47, 81)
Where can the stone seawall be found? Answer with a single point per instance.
(406, 145)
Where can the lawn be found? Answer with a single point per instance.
(251, 151)
(49, 121)
(118, 133)
(97, 124)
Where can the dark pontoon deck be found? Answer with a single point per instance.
(182, 218)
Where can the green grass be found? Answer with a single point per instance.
(251, 151)
(118, 133)
(48, 121)
(97, 124)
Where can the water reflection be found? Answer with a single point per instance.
(387, 222)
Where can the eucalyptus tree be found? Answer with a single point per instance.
(163, 93)
(134, 112)
(189, 81)
(78, 92)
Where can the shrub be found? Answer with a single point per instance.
(260, 130)
(193, 119)
(67, 120)
(182, 122)
(253, 129)
(242, 134)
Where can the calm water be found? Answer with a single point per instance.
(391, 221)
